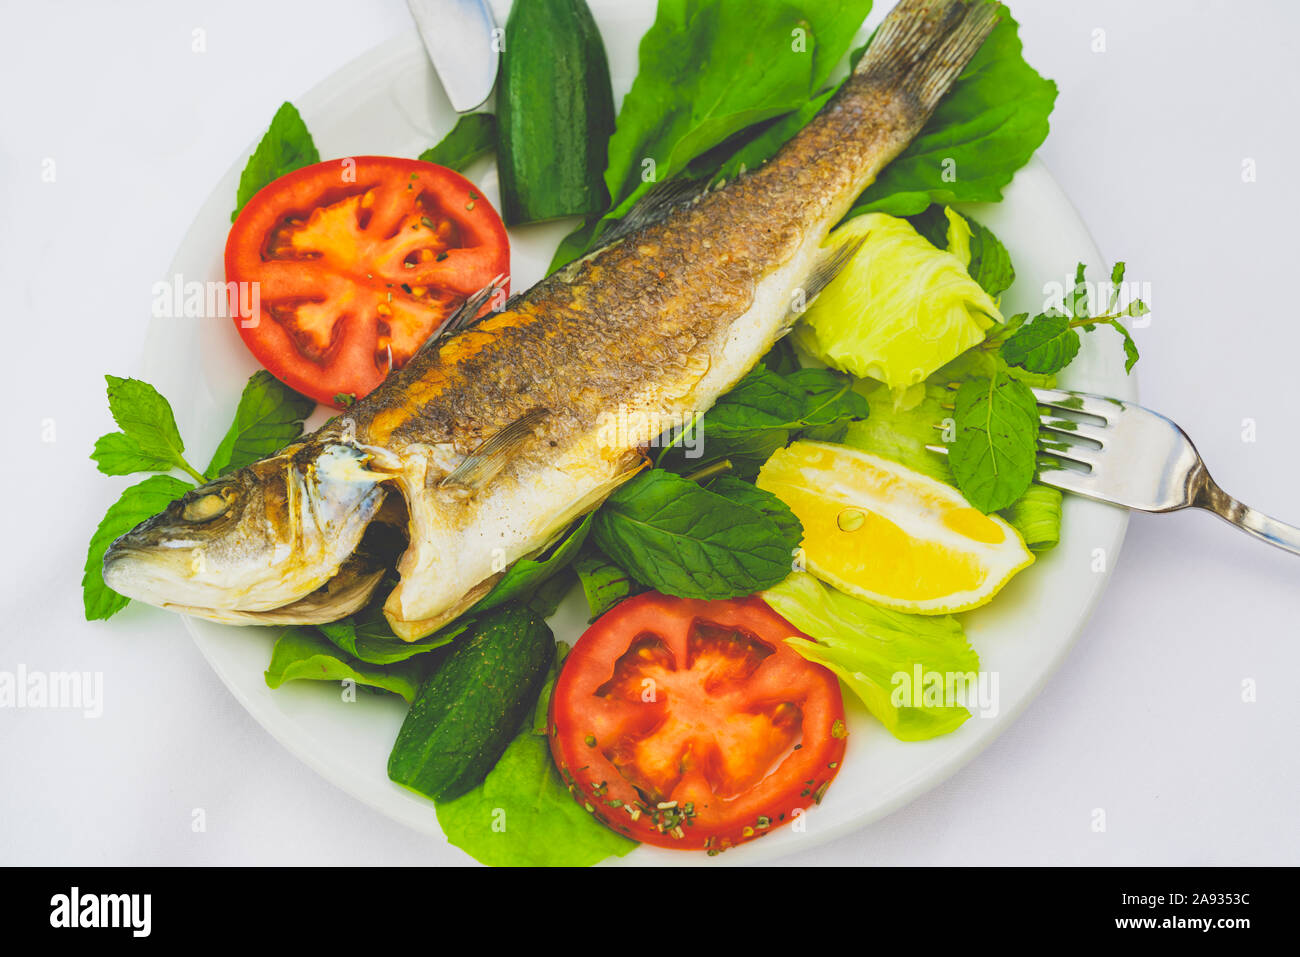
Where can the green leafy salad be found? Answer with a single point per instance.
(906, 349)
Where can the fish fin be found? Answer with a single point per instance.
(656, 204)
(833, 262)
(923, 45)
(467, 313)
(481, 465)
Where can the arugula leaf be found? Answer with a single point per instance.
(984, 130)
(707, 71)
(270, 416)
(474, 135)
(286, 146)
(994, 454)
(149, 437)
(301, 653)
(603, 583)
(140, 501)
(1046, 345)
(684, 540)
(522, 815)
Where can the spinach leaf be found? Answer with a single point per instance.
(984, 130)
(474, 135)
(301, 653)
(688, 541)
(285, 147)
(526, 575)
(367, 637)
(708, 70)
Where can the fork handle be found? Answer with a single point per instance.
(1263, 527)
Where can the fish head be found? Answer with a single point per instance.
(257, 539)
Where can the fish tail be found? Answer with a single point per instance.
(923, 45)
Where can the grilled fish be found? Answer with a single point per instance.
(492, 440)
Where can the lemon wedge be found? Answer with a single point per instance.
(889, 534)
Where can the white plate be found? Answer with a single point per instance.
(389, 101)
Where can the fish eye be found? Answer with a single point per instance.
(207, 507)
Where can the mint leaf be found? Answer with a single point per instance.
(684, 540)
(270, 416)
(118, 454)
(990, 263)
(984, 130)
(993, 457)
(145, 417)
(764, 411)
(744, 493)
(543, 825)
(286, 146)
(474, 135)
(1046, 345)
(137, 503)
(302, 654)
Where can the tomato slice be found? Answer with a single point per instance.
(357, 262)
(692, 725)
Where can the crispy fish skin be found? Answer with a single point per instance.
(651, 328)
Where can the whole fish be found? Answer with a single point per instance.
(493, 439)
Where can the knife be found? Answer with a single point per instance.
(461, 38)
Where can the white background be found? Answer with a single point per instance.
(1145, 720)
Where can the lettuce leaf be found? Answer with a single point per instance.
(902, 308)
(523, 816)
(869, 648)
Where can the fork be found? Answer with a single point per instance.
(1137, 458)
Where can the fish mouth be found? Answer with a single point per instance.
(160, 573)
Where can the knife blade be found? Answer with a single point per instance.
(460, 37)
